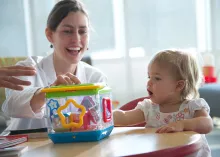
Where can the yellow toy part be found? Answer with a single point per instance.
(62, 117)
(73, 88)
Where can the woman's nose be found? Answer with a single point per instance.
(76, 37)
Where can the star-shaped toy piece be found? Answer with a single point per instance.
(62, 117)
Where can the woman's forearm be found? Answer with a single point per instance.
(37, 101)
(202, 125)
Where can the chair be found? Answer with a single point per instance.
(211, 93)
(131, 105)
(87, 59)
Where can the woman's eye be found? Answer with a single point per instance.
(67, 31)
(82, 31)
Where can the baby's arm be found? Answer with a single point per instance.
(201, 123)
(125, 118)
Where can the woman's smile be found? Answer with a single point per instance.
(73, 51)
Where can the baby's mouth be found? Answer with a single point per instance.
(150, 94)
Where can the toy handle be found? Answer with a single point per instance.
(107, 109)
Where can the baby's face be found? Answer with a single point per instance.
(161, 85)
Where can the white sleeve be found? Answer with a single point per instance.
(144, 106)
(17, 103)
(89, 74)
(198, 104)
(96, 76)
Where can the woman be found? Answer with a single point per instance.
(7, 79)
(68, 32)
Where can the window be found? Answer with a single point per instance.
(102, 39)
(12, 29)
(39, 11)
(154, 24)
(215, 12)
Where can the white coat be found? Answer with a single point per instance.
(17, 103)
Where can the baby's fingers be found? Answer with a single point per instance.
(165, 129)
(160, 129)
(169, 129)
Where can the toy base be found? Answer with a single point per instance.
(87, 136)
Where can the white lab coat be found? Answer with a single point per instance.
(17, 103)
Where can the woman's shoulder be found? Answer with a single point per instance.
(92, 74)
(89, 69)
(30, 61)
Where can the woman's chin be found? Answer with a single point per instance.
(74, 59)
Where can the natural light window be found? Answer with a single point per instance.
(136, 52)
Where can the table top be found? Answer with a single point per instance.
(123, 141)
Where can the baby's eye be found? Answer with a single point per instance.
(157, 78)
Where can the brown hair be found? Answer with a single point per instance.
(61, 10)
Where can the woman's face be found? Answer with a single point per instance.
(70, 40)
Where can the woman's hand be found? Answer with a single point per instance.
(67, 79)
(171, 127)
(7, 79)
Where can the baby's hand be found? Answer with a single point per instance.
(171, 127)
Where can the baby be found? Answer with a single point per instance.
(173, 104)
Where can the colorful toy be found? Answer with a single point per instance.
(78, 113)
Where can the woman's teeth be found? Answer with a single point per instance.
(73, 50)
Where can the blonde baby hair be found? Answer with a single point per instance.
(185, 66)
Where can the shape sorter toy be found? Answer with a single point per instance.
(78, 113)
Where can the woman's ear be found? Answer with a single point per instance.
(49, 34)
(180, 85)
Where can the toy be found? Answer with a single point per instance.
(78, 113)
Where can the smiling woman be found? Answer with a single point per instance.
(70, 39)
(68, 31)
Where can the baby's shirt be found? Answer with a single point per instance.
(154, 118)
